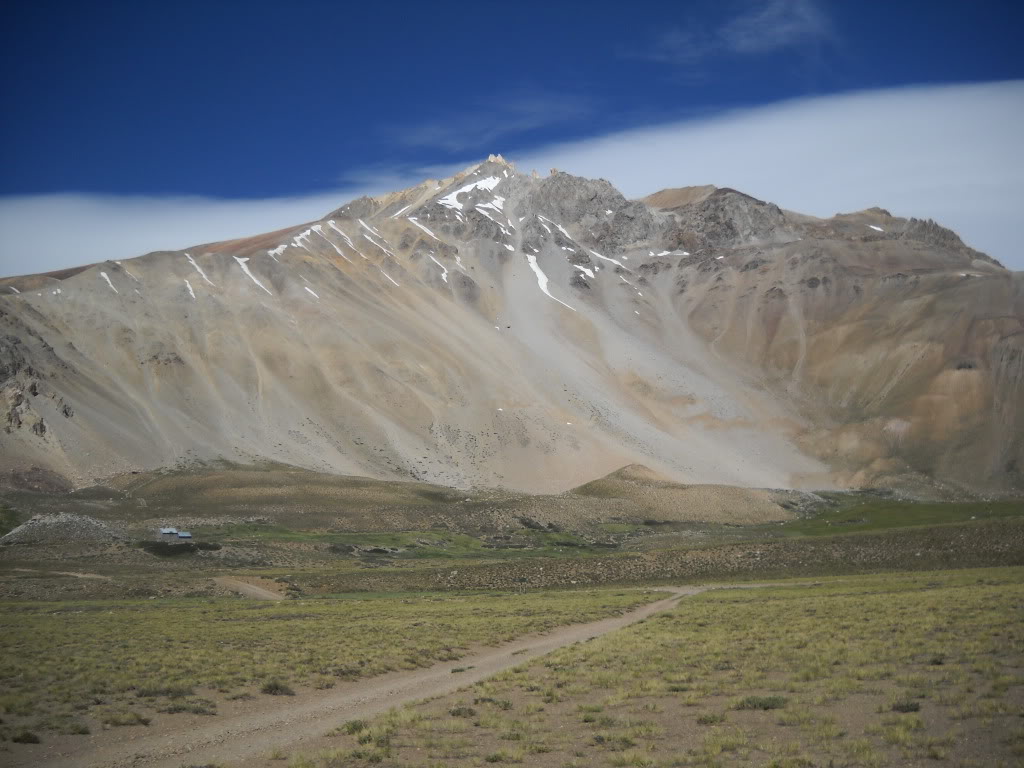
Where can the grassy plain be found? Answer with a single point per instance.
(70, 666)
(859, 512)
(407, 544)
(844, 513)
(890, 669)
(396, 576)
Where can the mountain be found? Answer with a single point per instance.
(502, 329)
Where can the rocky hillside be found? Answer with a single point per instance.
(502, 329)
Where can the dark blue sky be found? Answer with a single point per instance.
(255, 99)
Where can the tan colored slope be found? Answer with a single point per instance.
(495, 329)
(304, 500)
(38, 282)
(902, 368)
(371, 347)
(674, 198)
(662, 500)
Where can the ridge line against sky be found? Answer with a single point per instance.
(947, 152)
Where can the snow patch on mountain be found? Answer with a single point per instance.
(451, 200)
(542, 279)
(245, 268)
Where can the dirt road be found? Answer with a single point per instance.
(76, 574)
(247, 589)
(292, 723)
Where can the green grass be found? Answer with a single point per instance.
(761, 702)
(619, 527)
(855, 513)
(58, 659)
(411, 545)
(971, 544)
(10, 519)
(838, 673)
(308, 521)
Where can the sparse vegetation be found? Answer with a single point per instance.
(155, 655)
(859, 671)
(792, 676)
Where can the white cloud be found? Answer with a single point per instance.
(41, 233)
(951, 153)
(511, 114)
(775, 25)
(764, 27)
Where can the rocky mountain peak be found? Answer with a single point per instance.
(497, 328)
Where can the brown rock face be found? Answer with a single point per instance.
(499, 329)
(905, 358)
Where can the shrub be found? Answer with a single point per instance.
(25, 737)
(194, 706)
(499, 703)
(167, 549)
(906, 705)
(354, 726)
(503, 756)
(462, 712)
(171, 691)
(124, 718)
(762, 702)
(711, 718)
(275, 687)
